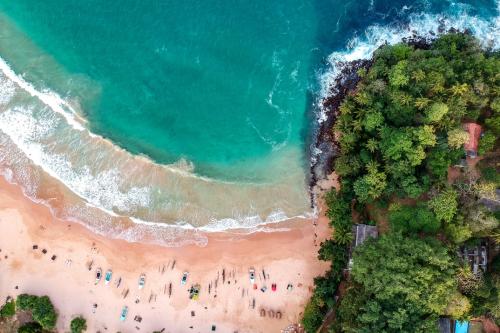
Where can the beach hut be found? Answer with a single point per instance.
(471, 145)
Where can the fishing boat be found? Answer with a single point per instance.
(142, 281)
(98, 275)
(107, 277)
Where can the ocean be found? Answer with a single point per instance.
(161, 120)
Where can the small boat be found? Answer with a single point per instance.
(273, 287)
(251, 272)
(98, 275)
(142, 281)
(107, 277)
(124, 313)
(184, 278)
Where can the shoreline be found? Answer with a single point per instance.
(25, 223)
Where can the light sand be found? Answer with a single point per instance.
(286, 257)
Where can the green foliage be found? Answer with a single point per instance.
(458, 307)
(445, 205)
(313, 315)
(404, 285)
(407, 114)
(26, 302)
(8, 309)
(413, 219)
(44, 313)
(486, 143)
(436, 112)
(486, 298)
(400, 131)
(31, 327)
(41, 308)
(457, 138)
(78, 325)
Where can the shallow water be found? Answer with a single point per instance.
(186, 113)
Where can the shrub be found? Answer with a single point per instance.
(44, 313)
(26, 302)
(41, 308)
(313, 315)
(78, 325)
(8, 309)
(487, 143)
(32, 327)
(409, 220)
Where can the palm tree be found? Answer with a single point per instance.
(422, 102)
(343, 236)
(372, 145)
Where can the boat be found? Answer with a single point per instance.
(184, 278)
(107, 277)
(98, 275)
(124, 313)
(251, 272)
(142, 281)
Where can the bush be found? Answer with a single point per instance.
(487, 143)
(44, 313)
(410, 220)
(41, 308)
(78, 325)
(26, 302)
(313, 315)
(32, 327)
(8, 309)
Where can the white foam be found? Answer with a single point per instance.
(423, 24)
(50, 99)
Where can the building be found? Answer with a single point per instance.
(471, 145)
(361, 232)
(444, 325)
(476, 256)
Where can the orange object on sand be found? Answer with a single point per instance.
(255, 286)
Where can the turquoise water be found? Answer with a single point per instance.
(210, 82)
(213, 82)
(222, 97)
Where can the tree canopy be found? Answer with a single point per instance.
(403, 283)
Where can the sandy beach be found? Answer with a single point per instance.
(227, 298)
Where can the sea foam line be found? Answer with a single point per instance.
(422, 25)
(60, 106)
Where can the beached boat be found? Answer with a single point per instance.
(124, 313)
(142, 281)
(107, 277)
(98, 275)
(251, 272)
(184, 278)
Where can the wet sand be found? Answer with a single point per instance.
(221, 268)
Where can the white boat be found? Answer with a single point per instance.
(142, 281)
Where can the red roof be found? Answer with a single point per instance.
(474, 131)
